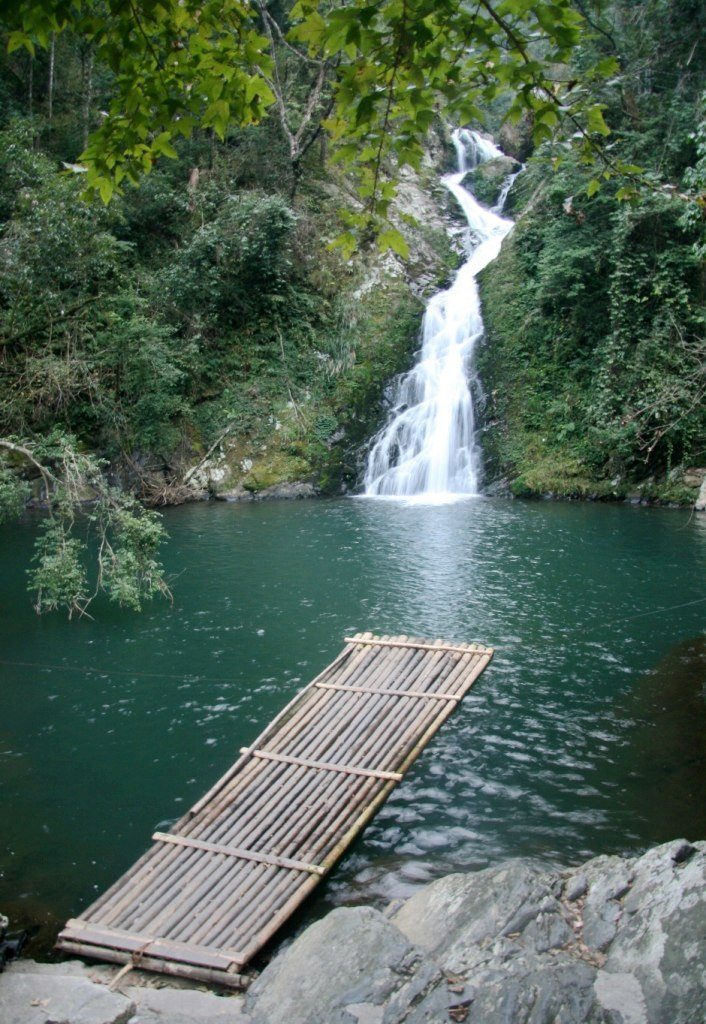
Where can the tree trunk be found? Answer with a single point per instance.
(87, 94)
(296, 178)
(52, 55)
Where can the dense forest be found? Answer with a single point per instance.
(594, 361)
(208, 318)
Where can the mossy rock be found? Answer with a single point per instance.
(516, 139)
(561, 476)
(277, 468)
(487, 180)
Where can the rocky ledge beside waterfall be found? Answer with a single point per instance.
(615, 941)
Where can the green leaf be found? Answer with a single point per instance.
(364, 110)
(626, 193)
(105, 189)
(346, 242)
(607, 66)
(596, 123)
(17, 40)
(541, 132)
(162, 144)
(390, 238)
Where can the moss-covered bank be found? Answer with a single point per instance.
(542, 431)
(315, 432)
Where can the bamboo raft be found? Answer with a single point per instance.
(207, 896)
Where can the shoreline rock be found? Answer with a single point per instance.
(700, 503)
(617, 940)
(277, 492)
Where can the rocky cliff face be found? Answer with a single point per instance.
(616, 941)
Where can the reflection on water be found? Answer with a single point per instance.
(666, 760)
(584, 736)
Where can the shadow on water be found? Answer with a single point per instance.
(666, 745)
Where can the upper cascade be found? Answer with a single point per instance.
(428, 447)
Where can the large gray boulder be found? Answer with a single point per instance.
(73, 993)
(509, 940)
(353, 967)
(487, 179)
(660, 938)
(455, 916)
(616, 941)
(59, 994)
(171, 1005)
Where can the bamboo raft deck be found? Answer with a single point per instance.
(207, 896)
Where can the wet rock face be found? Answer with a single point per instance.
(516, 139)
(454, 916)
(700, 504)
(486, 180)
(277, 492)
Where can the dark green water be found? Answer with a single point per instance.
(586, 735)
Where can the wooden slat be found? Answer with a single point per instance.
(391, 693)
(378, 642)
(328, 766)
(79, 930)
(234, 851)
(209, 894)
(208, 975)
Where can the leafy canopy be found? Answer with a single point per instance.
(176, 64)
(179, 64)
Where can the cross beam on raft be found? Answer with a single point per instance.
(209, 894)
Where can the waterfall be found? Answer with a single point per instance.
(428, 446)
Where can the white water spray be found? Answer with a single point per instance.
(428, 447)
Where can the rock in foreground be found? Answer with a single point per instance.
(616, 941)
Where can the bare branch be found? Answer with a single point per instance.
(26, 453)
(267, 17)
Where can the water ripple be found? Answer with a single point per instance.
(583, 737)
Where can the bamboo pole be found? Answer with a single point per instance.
(466, 649)
(144, 861)
(230, 839)
(85, 931)
(327, 766)
(239, 839)
(264, 907)
(391, 693)
(291, 905)
(201, 974)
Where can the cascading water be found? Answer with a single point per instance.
(428, 447)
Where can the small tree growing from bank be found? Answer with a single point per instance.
(94, 538)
